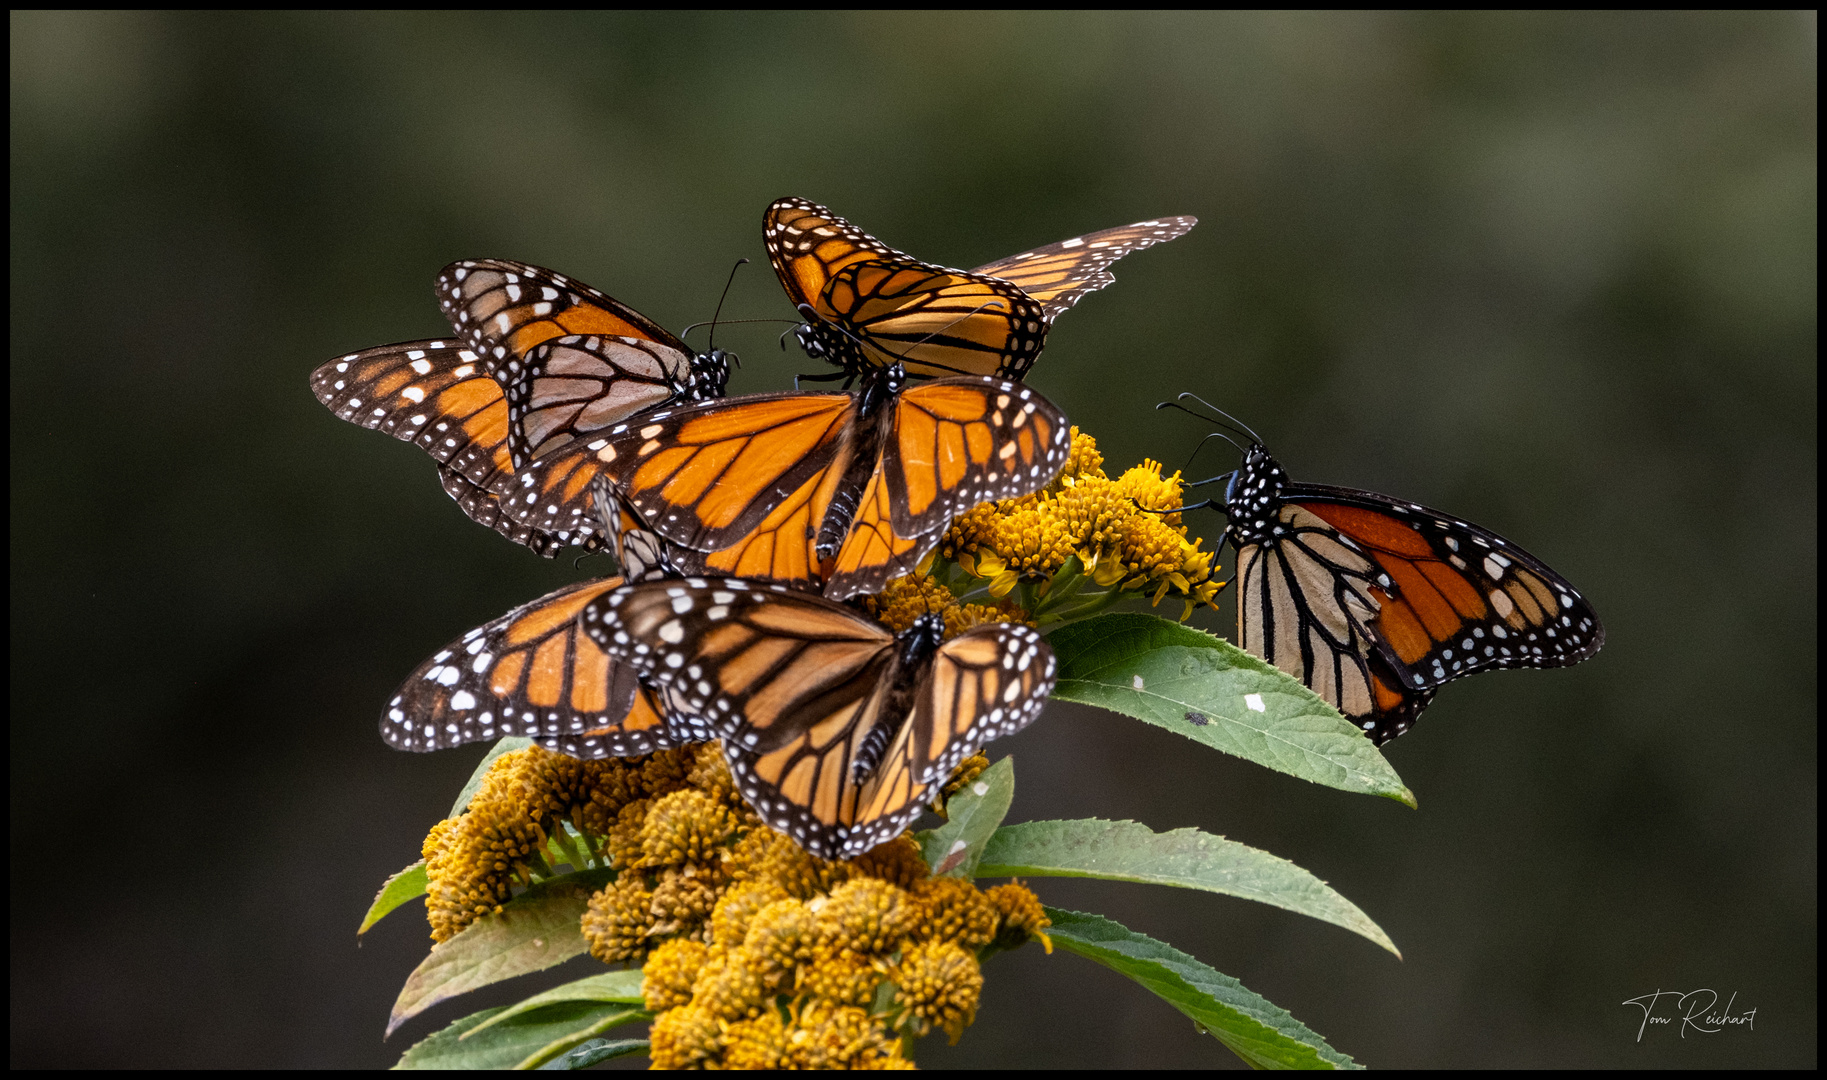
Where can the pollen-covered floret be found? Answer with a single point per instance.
(619, 920)
(898, 862)
(729, 925)
(865, 916)
(684, 827)
(938, 984)
(832, 1036)
(667, 977)
(1023, 918)
(684, 1038)
(760, 1043)
(955, 910)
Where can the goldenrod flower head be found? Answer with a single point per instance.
(684, 898)
(757, 953)
(684, 827)
(865, 915)
(898, 862)
(618, 920)
(955, 910)
(1119, 530)
(729, 924)
(685, 1037)
(845, 978)
(780, 940)
(729, 988)
(1022, 916)
(829, 1036)
(906, 598)
(760, 1043)
(766, 854)
(1082, 460)
(939, 983)
(667, 977)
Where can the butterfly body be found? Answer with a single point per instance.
(868, 305)
(836, 730)
(1375, 602)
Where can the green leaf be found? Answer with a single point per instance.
(971, 819)
(534, 931)
(597, 1050)
(395, 891)
(505, 746)
(614, 987)
(1212, 692)
(523, 1042)
(1260, 1033)
(1188, 858)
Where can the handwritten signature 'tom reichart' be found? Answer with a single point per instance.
(1693, 1009)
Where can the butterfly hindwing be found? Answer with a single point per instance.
(1058, 275)
(531, 672)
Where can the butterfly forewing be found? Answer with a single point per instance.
(808, 245)
(531, 672)
(1059, 274)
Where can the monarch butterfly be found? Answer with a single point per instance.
(1375, 602)
(837, 731)
(871, 305)
(479, 417)
(532, 673)
(572, 360)
(839, 490)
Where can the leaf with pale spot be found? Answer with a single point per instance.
(1212, 692)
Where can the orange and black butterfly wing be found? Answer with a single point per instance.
(981, 685)
(934, 321)
(1305, 603)
(1375, 602)
(740, 474)
(572, 360)
(437, 396)
(531, 672)
(808, 245)
(792, 683)
(1456, 597)
(1059, 274)
(953, 443)
(873, 306)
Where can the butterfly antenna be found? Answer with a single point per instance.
(712, 343)
(1236, 424)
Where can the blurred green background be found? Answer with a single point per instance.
(1555, 273)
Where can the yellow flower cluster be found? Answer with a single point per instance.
(757, 954)
(1119, 530)
(812, 964)
(513, 832)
